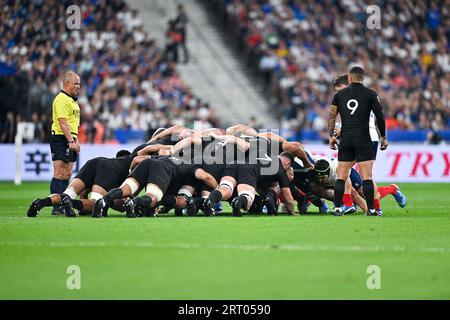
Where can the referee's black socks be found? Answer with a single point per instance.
(339, 189)
(369, 193)
(58, 186)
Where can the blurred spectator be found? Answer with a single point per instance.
(7, 134)
(181, 21)
(301, 46)
(434, 138)
(129, 82)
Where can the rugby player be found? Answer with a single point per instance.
(156, 176)
(341, 82)
(354, 105)
(97, 176)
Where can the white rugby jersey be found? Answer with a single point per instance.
(373, 128)
(330, 182)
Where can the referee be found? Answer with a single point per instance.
(354, 104)
(64, 145)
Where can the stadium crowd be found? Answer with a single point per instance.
(128, 81)
(299, 46)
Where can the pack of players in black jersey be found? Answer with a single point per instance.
(191, 170)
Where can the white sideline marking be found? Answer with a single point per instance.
(249, 247)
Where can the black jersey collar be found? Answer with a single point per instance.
(357, 84)
(74, 98)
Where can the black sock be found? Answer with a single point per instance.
(198, 202)
(215, 196)
(317, 202)
(168, 201)
(145, 201)
(339, 189)
(47, 202)
(243, 201)
(77, 204)
(369, 193)
(112, 195)
(270, 200)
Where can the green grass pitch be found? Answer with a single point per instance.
(314, 256)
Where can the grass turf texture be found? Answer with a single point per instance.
(314, 256)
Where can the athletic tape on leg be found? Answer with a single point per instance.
(70, 191)
(154, 190)
(134, 186)
(250, 198)
(227, 184)
(184, 192)
(95, 196)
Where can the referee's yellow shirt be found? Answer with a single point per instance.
(65, 106)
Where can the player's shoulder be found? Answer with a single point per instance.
(371, 92)
(341, 93)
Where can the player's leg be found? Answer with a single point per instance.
(223, 192)
(357, 190)
(342, 174)
(347, 200)
(185, 199)
(244, 200)
(346, 158)
(365, 169)
(128, 187)
(270, 199)
(146, 203)
(59, 181)
(68, 197)
(85, 206)
(395, 191)
(55, 199)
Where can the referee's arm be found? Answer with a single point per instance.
(73, 145)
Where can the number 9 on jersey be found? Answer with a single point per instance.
(355, 105)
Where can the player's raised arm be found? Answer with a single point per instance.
(380, 120)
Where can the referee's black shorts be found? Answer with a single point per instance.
(59, 147)
(357, 148)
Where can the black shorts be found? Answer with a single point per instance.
(231, 170)
(355, 148)
(216, 170)
(59, 147)
(101, 172)
(248, 174)
(154, 171)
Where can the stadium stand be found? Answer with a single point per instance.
(298, 47)
(130, 87)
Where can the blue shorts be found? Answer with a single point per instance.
(356, 179)
(374, 149)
